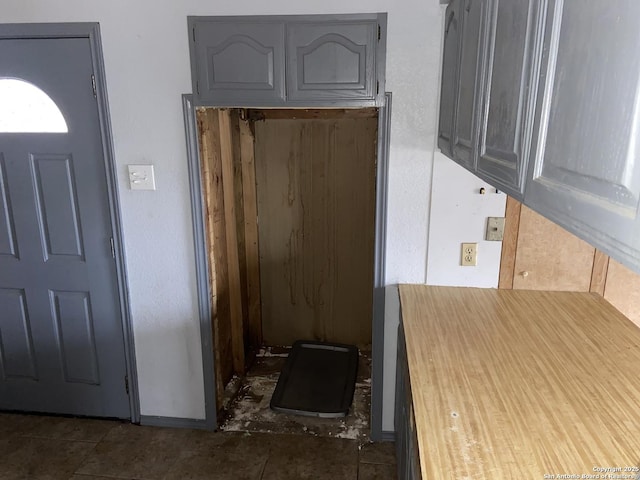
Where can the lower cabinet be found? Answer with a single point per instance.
(407, 453)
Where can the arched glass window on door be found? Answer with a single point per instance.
(24, 108)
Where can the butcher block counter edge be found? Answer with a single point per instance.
(522, 384)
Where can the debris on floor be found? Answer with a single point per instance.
(250, 412)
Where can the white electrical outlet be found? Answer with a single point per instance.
(469, 255)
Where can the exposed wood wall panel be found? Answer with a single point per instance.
(550, 258)
(250, 227)
(316, 207)
(236, 159)
(234, 283)
(622, 290)
(599, 272)
(554, 259)
(211, 166)
(509, 243)
(311, 113)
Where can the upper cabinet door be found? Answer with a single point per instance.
(238, 62)
(509, 93)
(468, 86)
(334, 61)
(585, 160)
(449, 80)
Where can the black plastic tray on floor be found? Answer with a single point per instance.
(318, 380)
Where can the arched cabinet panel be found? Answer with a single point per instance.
(236, 63)
(255, 72)
(332, 61)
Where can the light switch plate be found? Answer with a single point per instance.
(495, 229)
(141, 177)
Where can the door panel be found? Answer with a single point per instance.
(584, 171)
(466, 110)
(582, 67)
(74, 329)
(7, 230)
(62, 346)
(453, 25)
(57, 205)
(509, 90)
(16, 346)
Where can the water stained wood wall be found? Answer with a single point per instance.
(228, 184)
(316, 209)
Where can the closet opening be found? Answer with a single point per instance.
(289, 199)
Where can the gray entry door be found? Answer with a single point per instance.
(61, 339)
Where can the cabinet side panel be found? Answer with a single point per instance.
(509, 92)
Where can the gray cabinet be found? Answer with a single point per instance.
(407, 453)
(489, 103)
(332, 61)
(314, 60)
(449, 81)
(585, 166)
(460, 83)
(238, 62)
(557, 119)
(468, 86)
(508, 98)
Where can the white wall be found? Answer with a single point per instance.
(147, 65)
(459, 214)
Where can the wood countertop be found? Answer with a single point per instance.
(513, 384)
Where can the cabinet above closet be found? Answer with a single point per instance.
(270, 61)
(542, 100)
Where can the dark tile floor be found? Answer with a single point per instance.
(52, 448)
